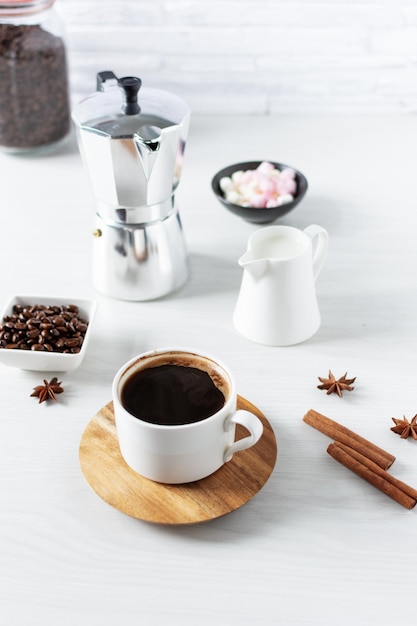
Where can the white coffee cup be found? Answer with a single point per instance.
(180, 453)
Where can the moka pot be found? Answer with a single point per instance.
(132, 143)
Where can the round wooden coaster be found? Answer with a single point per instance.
(234, 484)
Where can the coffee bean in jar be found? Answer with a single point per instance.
(34, 95)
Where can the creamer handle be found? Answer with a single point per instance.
(320, 250)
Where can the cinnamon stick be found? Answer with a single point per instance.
(373, 474)
(338, 432)
(410, 491)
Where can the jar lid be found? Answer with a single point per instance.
(28, 3)
(22, 7)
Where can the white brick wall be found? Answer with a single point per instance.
(253, 57)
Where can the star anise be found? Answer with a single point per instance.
(47, 391)
(404, 428)
(336, 386)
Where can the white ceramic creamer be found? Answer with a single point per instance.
(277, 302)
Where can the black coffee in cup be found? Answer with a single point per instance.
(173, 393)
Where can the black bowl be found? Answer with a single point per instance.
(258, 216)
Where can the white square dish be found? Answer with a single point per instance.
(43, 360)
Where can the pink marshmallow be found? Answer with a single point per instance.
(262, 187)
(265, 167)
(257, 201)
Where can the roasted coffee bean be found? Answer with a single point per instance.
(34, 322)
(71, 343)
(32, 63)
(32, 333)
(38, 330)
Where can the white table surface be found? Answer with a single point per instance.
(317, 545)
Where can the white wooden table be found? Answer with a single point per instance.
(316, 545)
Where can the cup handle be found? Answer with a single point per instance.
(320, 251)
(252, 423)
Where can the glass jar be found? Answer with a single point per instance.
(34, 93)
